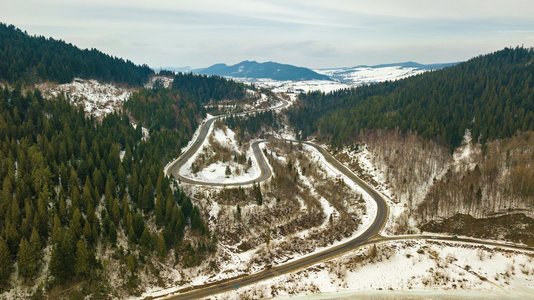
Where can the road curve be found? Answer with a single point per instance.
(314, 258)
(265, 170)
(369, 236)
(237, 282)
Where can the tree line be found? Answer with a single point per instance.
(208, 88)
(248, 126)
(35, 59)
(492, 95)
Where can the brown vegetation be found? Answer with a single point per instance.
(291, 218)
(494, 180)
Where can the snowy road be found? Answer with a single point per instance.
(369, 236)
(265, 170)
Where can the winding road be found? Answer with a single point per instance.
(265, 171)
(369, 236)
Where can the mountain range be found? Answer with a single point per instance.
(285, 72)
(270, 70)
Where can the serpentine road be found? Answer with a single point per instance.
(369, 236)
(265, 170)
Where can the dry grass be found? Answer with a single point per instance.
(290, 207)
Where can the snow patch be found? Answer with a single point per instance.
(371, 205)
(164, 81)
(216, 172)
(365, 75)
(97, 99)
(465, 155)
(226, 138)
(408, 268)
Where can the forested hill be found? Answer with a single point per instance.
(492, 95)
(94, 194)
(272, 70)
(36, 58)
(205, 88)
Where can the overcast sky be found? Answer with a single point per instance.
(312, 33)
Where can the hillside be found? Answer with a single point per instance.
(451, 145)
(84, 200)
(78, 195)
(270, 70)
(36, 59)
(364, 74)
(492, 95)
(205, 88)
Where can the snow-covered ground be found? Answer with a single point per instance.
(235, 262)
(342, 78)
(375, 176)
(465, 156)
(364, 159)
(97, 99)
(371, 206)
(364, 75)
(216, 172)
(296, 86)
(411, 268)
(164, 81)
(428, 267)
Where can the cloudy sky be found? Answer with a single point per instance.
(313, 33)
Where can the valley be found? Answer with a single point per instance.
(381, 230)
(263, 180)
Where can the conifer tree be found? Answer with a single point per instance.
(257, 194)
(6, 263)
(27, 261)
(82, 264)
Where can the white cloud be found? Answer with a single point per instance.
(313, 33)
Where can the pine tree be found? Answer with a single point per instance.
(258, 195)
(159, 208)
(76, 222)
(35, 244)
(161, 249)
(131, 262)
(148, 195)
(6, 263)
(27, 261)
(238, 212)
(196, 220)
(146, 240)
(82, 265)
(62, 258)
(112, 233)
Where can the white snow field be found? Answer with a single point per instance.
(364, 75)
(412, 269)
(97, 99)
(342, 78)
(296, 86)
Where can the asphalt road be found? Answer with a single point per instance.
(365, 237)
(369, 236)
(265, 170)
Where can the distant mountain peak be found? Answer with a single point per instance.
(269, 70)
